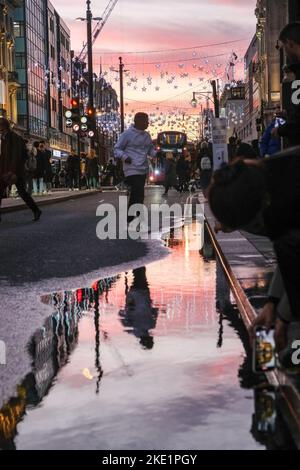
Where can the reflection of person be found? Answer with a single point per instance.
(139, 315)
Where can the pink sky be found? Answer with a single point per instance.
(143, 25)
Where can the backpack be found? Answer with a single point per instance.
(205, 163)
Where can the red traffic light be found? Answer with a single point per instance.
(90, 112)
(75, 102)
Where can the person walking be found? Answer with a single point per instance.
(92, 170)
(73, 170)
(45, 154)
(13, 155)
(38, 180)
(30, 166)
(170, 173)
(133, 148)
(182, 169)
(110, 172)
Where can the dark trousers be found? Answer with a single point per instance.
(287, 248)
(136, 184)
(20, 185)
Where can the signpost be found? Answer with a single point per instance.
(219, 140)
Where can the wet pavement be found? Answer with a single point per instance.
(155, 358)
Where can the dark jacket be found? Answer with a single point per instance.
(291, 130)
(283, 185)
(110, 169)
(73, 164)
(46, 156)
(12, 157)
(40, 171)
(92, 167)
(182, 168)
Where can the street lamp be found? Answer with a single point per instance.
(215, 99)
(89, 18)
(206, 94)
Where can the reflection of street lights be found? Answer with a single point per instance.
(89, 18)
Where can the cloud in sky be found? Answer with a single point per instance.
(143, 25)
(137, 24)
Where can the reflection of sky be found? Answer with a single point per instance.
(184, 393)
(148, 25)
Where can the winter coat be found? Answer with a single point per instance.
(13, 156)
(182, 169)
(73, 164)
(92, 167)
(46, 155)
(110, 170)
(41, 165)
(268, 144)
(138, 146)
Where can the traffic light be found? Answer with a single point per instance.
(90, 123)
(75, 105)
(83, 123)
(73, 115)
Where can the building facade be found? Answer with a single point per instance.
(108, 118)
(43, 64)
(272, 16)
(9, 83)
(232, 105)
(59, 80)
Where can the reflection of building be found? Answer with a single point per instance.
(9, 83)
(43, 63)
(50, 349)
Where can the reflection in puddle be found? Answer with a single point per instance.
(151, 359)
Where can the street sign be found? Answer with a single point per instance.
(219, 140)
(84, 127)
(84, 120)
(68, 114)
(69, 122)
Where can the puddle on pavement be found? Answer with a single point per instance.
(156, 358)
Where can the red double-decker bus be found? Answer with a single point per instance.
(167, 141)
